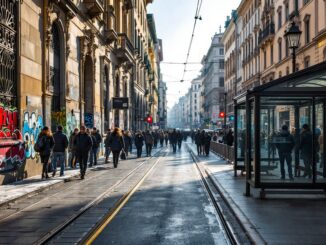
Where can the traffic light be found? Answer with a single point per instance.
(231, 118)
(222, 114)
(149, 119)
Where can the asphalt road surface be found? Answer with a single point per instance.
(170, 207)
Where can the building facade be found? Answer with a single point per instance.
(213, 81)
(162, 105)
(63, 62)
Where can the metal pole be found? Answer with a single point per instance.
(293, 60)
(225, 111)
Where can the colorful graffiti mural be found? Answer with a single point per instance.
(71, 123)
(11, 142)
(32, 126)
(89, 120)
(58, 118)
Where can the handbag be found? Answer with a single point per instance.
(123, 155)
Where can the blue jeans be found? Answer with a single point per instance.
(93, 156)
(58, 158)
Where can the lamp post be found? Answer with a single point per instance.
(293, 36)
(225, 94)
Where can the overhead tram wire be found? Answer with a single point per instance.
(197, 16)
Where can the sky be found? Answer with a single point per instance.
(174, 21)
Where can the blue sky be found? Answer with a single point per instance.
(174, 22)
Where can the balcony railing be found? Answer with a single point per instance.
(125, 49)
(94, 7)
(267, 32)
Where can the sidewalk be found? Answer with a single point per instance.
(278, 219)
(31, 186)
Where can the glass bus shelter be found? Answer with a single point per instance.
(296, 102)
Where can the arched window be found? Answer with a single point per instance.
(55, 68)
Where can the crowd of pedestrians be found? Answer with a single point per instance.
(84, 144)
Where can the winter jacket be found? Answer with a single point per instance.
(97, 140)
(107, 139)
(82, 143)
(149, 139)
(116, 142)
(60, 142)
(47, 145)
(285, 142)
(306, 144)
(71, 142)
(139, 140)
(173, 137)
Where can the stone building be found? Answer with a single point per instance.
(213, 80)
(162, 105)
(62, 63)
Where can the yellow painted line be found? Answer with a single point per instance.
(120, 204)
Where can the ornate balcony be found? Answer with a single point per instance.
(266, 34)
(111, 36)
(94, 7)
(124, 49)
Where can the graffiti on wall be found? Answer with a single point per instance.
(89, 120)
(32, 126)
(11, 143)
(58, 118)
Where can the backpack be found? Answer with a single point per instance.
(39, 145)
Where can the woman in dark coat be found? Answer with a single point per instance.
(116, 143)
(139, 142)
(128, 141)
(46, 142)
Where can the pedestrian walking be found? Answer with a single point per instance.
(59, 149)
(229, 138)
(72, 152)
(116, 143)
(202, 139)
(107, 146)
(97, 140)
(285, 144)
(149, 141)
(207, 144)
(161, 137)
(174, 140)
(179, 139)
(83, 144)
(198, 143)
(155, 137)
(166, 138)
(45, 145)
(306, 149)
(139, 142)
(128, 141)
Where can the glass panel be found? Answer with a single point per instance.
(320, 136)
(252, 139)
(241, 135)
(282, 155)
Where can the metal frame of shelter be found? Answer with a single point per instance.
(260, 108)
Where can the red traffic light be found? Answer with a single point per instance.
(149, 119)
(222, 114)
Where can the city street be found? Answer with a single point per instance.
(169, 206)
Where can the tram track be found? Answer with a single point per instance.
(52, 234)
(235, 235)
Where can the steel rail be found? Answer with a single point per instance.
(103, 223)
(225, 223)
(55, 231)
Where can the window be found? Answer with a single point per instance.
(305, 2)
(306, 62)
(264, 59)
(280, 74)
(221, 64)
(279, 49)
(287, 70)
(280, 19)
(296, 6)
(221, 81)
(287, 11)
(221, 51)
(286, 47)
(272, 54)
(307, 28)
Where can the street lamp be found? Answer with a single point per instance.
(293, 36)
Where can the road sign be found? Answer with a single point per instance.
(120, 103)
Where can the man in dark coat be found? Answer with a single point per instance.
(83, 144)
(60, 146)
(306, 149)
(139, 142)
(198, 143)
(207, 141)
(149, 141)
(97, 140)
(174, 140)
(285, 144)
